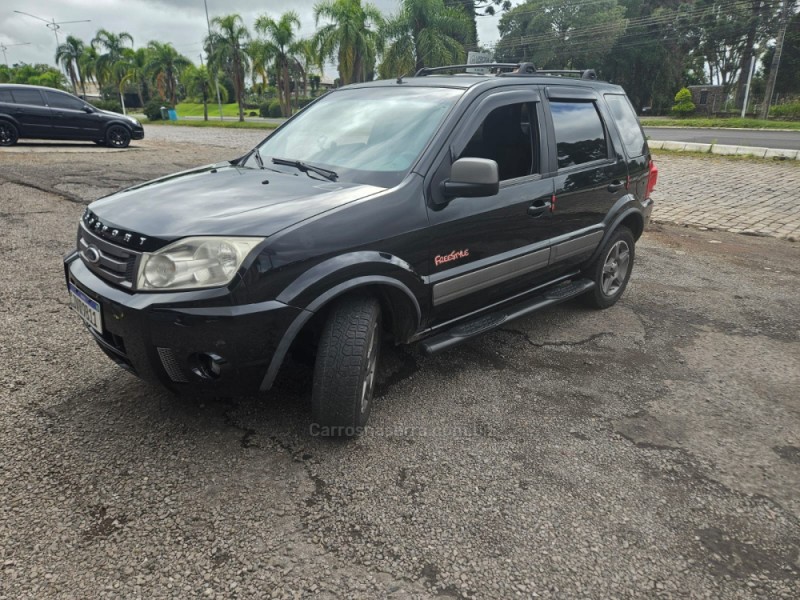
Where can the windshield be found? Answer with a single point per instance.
(371, 135)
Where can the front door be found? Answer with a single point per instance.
(31, 113)
(70, 119)
(485, 250)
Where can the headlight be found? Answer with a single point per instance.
(192, 263)
(134, 121)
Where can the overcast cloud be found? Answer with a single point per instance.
(181, 22)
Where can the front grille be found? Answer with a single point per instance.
(114, 263)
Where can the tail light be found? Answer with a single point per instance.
(652, 179)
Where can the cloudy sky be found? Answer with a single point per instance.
(181, 22)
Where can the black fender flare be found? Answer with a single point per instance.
(305, 293)
(631, 211)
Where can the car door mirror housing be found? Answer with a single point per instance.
(472, 178)
(87, 108)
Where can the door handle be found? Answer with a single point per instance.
(538, 208)
(615, 186)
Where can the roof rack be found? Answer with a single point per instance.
(512, 69)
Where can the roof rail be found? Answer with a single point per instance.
(516, 69)
(428, 70)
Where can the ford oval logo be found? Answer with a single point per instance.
(92, 255)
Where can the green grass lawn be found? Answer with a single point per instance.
(217, 123)
(721, 122)
(188, 109)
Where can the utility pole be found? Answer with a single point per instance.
(211, 46)
(5, 47)
(52, 26)
(776, 58)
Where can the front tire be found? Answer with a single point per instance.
(346, 367)
(118, 136)
(611, 270)
(8, 134)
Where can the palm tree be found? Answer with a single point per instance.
(68, 55)
(136, 62)
(260, 56)
(87, 63)
(114, 46)
(198, 82)
(164, 65)
(352, 36)
(424, 33)
(282, 42)
(226, 49)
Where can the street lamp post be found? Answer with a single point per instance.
(5, 47)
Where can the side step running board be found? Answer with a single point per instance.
(465, 331)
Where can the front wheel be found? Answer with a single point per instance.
(346, 367)
(8, 134)
(611, 270)
(118, 136)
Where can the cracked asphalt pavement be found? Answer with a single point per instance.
(649, 450)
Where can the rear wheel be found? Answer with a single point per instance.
(611, 270)
(118, 136)
(346, 367)
(8, 134)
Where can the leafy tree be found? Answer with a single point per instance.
(260, 54)
(164, 65)
(352, 36)
(226, 50)
(683, 106)
(38, 74)
(424, 33)
(559, 34)
(87, 64)
(68, 55)
(281, 38)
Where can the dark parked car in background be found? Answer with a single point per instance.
(29, 111)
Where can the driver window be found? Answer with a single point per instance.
(506, 137)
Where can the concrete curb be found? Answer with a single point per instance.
(725, 150)
(720, 128)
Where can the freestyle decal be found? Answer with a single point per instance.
(454, 255)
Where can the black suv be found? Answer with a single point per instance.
(428, 209)
(29, 111)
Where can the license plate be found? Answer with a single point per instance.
(87, 309)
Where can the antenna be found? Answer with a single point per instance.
(5, 47)
(51, 24)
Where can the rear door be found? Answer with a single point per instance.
(591, 172)
(70, 120)
(486, 250)
(31, 113)
(634, 142)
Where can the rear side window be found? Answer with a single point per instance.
(5, 96)
(580, 136)
(57, 100)
(28, 97)
(628, 125)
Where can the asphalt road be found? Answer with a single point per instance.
(649, 450)
(784, 140)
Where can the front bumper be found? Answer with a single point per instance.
(137, 134)
(171, 338)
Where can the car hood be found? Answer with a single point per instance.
(224, 200)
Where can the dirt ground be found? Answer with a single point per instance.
(649, 450)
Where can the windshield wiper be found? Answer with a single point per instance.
(305, 167)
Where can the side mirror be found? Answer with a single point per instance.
(472, 178)
(87, 108)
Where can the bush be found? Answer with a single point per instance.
(683, 106)
(111, 105)
(263, 109)
(790, 111)
(152, 110)
(252, 113)
(275, 109)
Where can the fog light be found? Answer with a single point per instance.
(209, 365)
